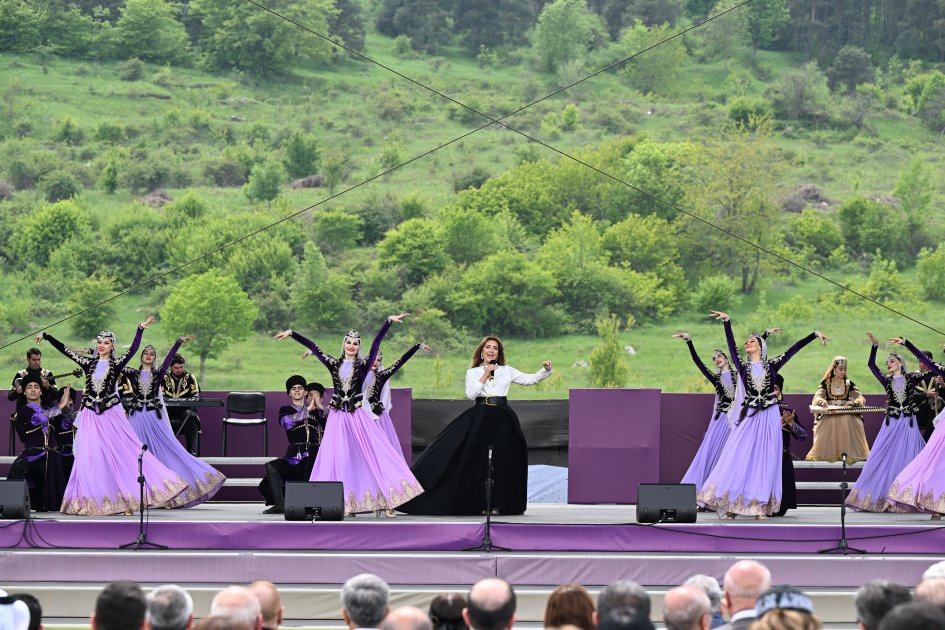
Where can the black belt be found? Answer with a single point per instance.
(492, 401)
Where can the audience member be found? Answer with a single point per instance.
(619, 595)
(744, 582)
(785, 608)
(687, 608)
(937, 570)
(239, 605)
(35, 608)
(931, 592)
(446, 612)
(625, 619)
(710, 586)
(120, 606)
(913, 616)
(270, 603)
(364, 601)
(874, 599)
(221, 623)
(407, 618)
(14, 613)
(170, 608)
(491, 605)
(570, 605)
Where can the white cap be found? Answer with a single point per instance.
(14, 615)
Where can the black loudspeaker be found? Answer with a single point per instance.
(14, 499)
(666, 503)
(314, 501)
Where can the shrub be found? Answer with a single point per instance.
(748, 110)
(131, 70)
(59, 185)
(931, 270)
(473, 179)
(6, 190)
(715, 293)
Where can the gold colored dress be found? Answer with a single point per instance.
(841, 433)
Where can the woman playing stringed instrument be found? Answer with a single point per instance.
(835, 434)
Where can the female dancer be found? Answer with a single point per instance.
(455, 466)
(838, 433)
(921, 484)
(104, 476)
(898, 441)
(354, 451)
(724, 380)
(377, 390)
(747, 478)
(150, 422)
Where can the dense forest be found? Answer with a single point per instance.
(142, 135)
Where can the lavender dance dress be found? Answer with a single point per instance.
(377, 390)
(149, 420)
(747, 476)
(898, 442)
(104, 476)
(354, 450)
(921, 484)
(718, 430)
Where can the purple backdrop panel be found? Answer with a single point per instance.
(401, 399)
(683, 421)
(614, 443)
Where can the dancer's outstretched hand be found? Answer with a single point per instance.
(147, 322)
(427, 349)
(39, 338)
(307, 354)
(547, 366)
(282, 335)
(719, 314)
(774, 331)
(186, 338)
(873, 339)
(823, 338)
(682, 335)
(398, 318)
(897, 341)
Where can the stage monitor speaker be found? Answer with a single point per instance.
(666, 503)
(314, 501)
(14, 499)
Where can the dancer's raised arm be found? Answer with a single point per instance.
(871, 362)
(327, 360)
(695, 356)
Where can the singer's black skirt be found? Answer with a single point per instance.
(454, 467)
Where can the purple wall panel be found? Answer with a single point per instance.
(614, 443)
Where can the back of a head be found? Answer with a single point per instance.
(237, 604)
(446, 611)
(874, 599)
(937, 570)
(625, 619)
(570, 605)
(120, 606)
(787, 620)
(365, 597)
(746, 580)
(685, 607)
(221, 623)
(620, 595)
(407, 618)
(932, 592)
(169, 608)
(36, 609)
(710, 586)
(913, 616)
(270, 602)
(491, 604)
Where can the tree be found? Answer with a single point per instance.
(108, 180)
(240, 35)
(301, 155)
(654, 12)
(657, 168)
(58, 185)
(914, 189)
(852, 67)
(265, 181)
(566, 30)
(802, 94)
(20, 26)
(335, 167)
(348, 24)
(608, 367)
(150, 31)
(492, 24)
(337, 230)
(870, 227)
(40, 233)
(931, 269)
(656, 70)
(321, 298)
(425, 22)
(263, 259)
(416, 246)
(764, 19)
(86, 293)
(814, 230)
(931, 106)
(213, 307)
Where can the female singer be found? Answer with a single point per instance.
(104, 476)
(747, 477)
(898, 441)
(377, 390)
(149, 420)
(836, 434)
(354, 451)
(921, 484)
(455, 466)
(724, 381)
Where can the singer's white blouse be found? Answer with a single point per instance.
(505, 375)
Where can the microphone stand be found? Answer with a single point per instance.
(486, 544)
(843, 546)
(142, 539)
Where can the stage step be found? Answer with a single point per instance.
(825, 465)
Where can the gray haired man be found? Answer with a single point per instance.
(364, 601)
(170, 608)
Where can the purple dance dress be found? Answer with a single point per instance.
(747, 476)
(104, 476)
(377, 391)
(152, 426)
(718, 430)
(354, 449)
(898, 442)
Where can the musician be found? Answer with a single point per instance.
(790, 428)
(179, 383)
(50, 395)
(835, 434)
(304, 421)
(39, 463)
(929, 400)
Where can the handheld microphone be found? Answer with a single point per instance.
(492, 376)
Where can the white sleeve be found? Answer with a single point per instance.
(521, 378)
(473, 384)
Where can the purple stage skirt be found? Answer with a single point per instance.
(203, 480)
(746, 478)
(355, 451)
(709, 451)
(921, 484)
(897, 444)
(387, 427)
(104, 476)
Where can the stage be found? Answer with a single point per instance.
(222, 543)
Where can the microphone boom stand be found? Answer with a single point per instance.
(843, 546)
(142, 539)
(486, 544)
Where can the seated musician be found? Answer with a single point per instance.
(47, 381)
(928, 398)
(39, 463)
(179, 383)
(790, 428)
(838, 433)
(303, 421)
